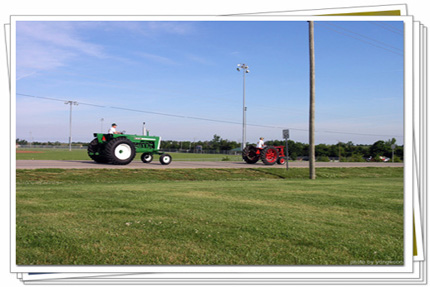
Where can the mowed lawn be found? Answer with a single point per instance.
(209, 217)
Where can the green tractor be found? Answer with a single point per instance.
(120, 149)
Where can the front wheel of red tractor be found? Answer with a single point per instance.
(269, 155)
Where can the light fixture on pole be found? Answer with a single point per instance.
(70, 122)
(245, 70)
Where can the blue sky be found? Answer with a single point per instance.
(187, 70)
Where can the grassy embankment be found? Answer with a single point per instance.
(209, 217)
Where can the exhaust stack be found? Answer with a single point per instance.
(145, 133)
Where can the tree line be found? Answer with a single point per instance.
(347, 151)
(343, 151)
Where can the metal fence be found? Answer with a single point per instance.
(226, 152)
(51, 146)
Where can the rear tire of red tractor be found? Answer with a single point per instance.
(249, 154)
(120, 151)
(93, 148)
(269, 155)
(146, 157)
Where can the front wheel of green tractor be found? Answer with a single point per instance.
(165, 159)
(120, 151)
(95, 150)
(146, 157)
(269, 155)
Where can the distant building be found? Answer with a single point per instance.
(235, 151)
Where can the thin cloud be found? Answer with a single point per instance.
(58, 34)
(34, 57)
(45, 46)
(179, 28)
(199, 59)
(22, 76)
(151, 28)
(156, 58)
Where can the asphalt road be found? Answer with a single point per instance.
(86, 164)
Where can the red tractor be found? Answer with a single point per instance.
(269, 155)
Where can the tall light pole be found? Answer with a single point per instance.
(245, 70)
(70, 122)
(338, 143)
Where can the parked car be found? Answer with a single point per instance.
(382, 158)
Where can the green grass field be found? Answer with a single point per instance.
(81, 154)
(252, 216)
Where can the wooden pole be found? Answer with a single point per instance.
(312, 103)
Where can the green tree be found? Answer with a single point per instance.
(323, 158)
(356, 157)
(322, 150)
(349, 149)
(21, 142)
(378, 148)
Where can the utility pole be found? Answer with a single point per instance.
(312, 103)
(393, 147)
(243, 67)
(70, 122)
(286, 135)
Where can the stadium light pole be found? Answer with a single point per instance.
(245, 70)
(70, 122)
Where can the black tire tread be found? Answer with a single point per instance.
(247, 154)
(161, 157)
(95, 147)
(109, 151)
(145, 161)
(263, 155)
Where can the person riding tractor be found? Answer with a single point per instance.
(269, 155)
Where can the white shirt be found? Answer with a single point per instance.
(112, 130)
(260, 144)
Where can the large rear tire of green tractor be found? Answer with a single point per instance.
(269, 155)
(146, 157)
(120, 151)
(165, 159)
(249, 154)
(93, 148)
